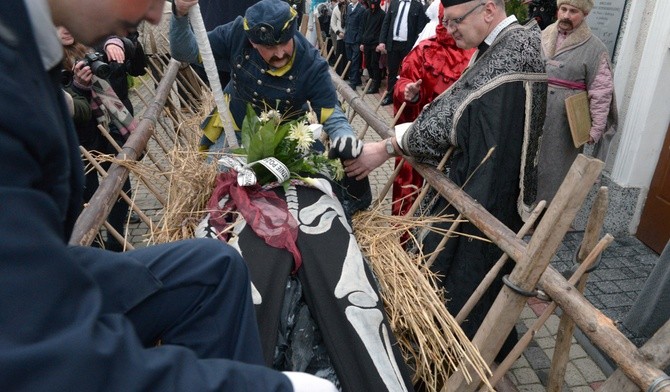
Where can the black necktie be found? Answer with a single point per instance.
(402, 12)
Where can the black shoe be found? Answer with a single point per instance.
(353, 86)
(134, 218)
(372, 90)
(387, 100)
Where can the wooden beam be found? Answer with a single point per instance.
(566, 326)
(101, 203)
(601, 330)
(656, 352)
(357, 104)
(473, 211)
(531, 262)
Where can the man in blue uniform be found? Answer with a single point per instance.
(272, 67)
(84, 319)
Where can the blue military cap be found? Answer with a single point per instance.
(270, 22)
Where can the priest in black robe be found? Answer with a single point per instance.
(499, 103)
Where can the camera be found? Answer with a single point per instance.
(98, 65)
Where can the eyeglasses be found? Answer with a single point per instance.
(456, 21)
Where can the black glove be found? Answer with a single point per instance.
(346, 147)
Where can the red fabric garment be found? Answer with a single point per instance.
(266, 213)
(438, 62)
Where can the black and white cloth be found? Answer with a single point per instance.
(342, 306)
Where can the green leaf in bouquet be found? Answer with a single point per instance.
(282, 131)
(249, 126)
(267, 139)
(255, 149)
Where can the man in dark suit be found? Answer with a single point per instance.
(353, 31)
(85, 319)
(402, 24)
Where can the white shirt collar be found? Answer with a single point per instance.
(46, 37)
(494, 34)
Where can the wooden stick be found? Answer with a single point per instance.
(656, 352)
(346, 69)
(122, 239)
(361, 135)
(531, 261)
(493, 273)
(443, 241)
(330, 53)
(88, 222)
(124, 196)
(528, 336)
(566, 326)
(426, 185)
(337, 62)
(361, 95)
(382, 195)
(601, 330)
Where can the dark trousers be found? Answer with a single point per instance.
(354, 56)
(204, 303)
(399, 50)
(372, 64)
(339, 51)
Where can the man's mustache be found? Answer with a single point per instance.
(275, 58)
(568, 21)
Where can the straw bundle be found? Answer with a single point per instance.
(430, 339)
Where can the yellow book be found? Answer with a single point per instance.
(579, 117)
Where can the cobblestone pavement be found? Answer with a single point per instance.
(612, 288)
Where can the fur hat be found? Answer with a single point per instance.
(270, 22)
(584, 5)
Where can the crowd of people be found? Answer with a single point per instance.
(180, 316)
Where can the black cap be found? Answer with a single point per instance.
(270, 22)
(449, 3)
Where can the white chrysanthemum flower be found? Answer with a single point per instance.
(269, 115)
(302, 134)
(337, 168)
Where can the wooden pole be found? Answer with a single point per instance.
(426, 185)
(357, 104)
(101, 203)
(443, 241)
(531, 262)
(656, 352)
(124, 196)
(601, 330)
(526, 338)
(566, 326)
(493, 272)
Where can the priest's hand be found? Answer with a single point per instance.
(372, 156)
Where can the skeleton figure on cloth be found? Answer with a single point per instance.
(339, 307)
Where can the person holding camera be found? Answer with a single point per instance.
(84, 77)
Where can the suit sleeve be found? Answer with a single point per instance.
(384, 32)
